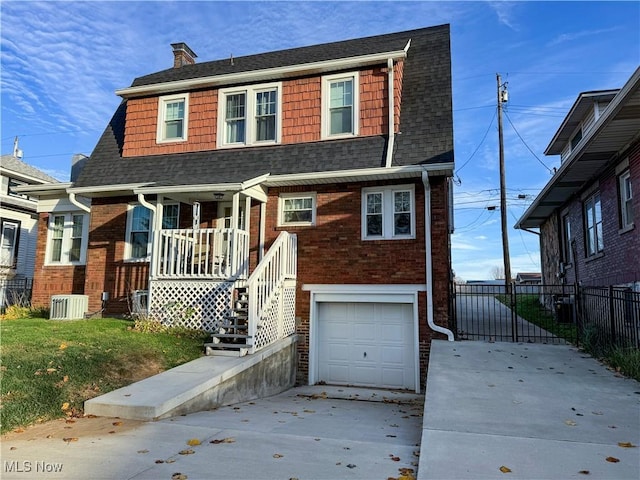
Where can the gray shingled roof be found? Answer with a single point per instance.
(9, 162)
(426, 122)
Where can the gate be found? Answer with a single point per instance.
(522, 313)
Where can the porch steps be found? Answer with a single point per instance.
(231, 338)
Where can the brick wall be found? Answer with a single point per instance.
(53, 280)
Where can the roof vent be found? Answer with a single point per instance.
(182, 55)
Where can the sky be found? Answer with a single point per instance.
(61, 63)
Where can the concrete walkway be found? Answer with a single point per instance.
(540, 411)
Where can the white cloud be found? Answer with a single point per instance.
(568, 37)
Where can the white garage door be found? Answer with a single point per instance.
(366, 344)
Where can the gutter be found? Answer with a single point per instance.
(428, 259)
(77, 203)
(392, 129)
(152, 267)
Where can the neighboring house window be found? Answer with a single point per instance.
(593, 224)
(340, 105)
(139, 221)
(566, 239)
(297, 209)
(68, 233)
(173, 117)
(626, 199)
(249, 115)
(388, 213)
(9, 243)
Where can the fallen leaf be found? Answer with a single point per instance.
(112, 431)
(18, 430)
(65, 406)
(69, 420)
(179, 476)
(395, 459)
(70, 439)
(570, 423)
(277, 455)
(223, 440)
(351, 465)
(91, 415)
(13, 448)
(63, 346)
(612, 459)
(626, 445)
(193, 442)
(584, 472)
(51, 370)
(504, 469)
(116, 424)
(159, 461)
(170, 460)
(186, 452)
(65, 378)
(143, 451)
(309, 411)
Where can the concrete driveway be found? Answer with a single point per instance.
(317, 432)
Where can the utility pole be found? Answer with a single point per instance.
(502, 98)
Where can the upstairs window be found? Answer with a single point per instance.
(249, 115)
(172, 119)
(67, 241)
(593, 225)
(388, 213)
(576, 139)
(626, 200)
(340, 106)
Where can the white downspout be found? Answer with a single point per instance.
(152, 267)
(428, 259)
(392, 129)
(77, 203)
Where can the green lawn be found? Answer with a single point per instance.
(49, 368)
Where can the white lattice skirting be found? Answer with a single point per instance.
(193, 304)
(278, 320)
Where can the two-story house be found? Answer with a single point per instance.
(18, 222)
(304, 190)
(587, 212)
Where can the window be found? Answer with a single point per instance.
(139, 221)
(68, 233)
(388, 213)
(172, 119)
(626, 200)
(12, 185)
(297, 209)
(249, 115)
(340, 106)
(566, 239)
(593, 225)
(9, 243)
(576, 139)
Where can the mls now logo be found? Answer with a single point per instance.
(27, 466)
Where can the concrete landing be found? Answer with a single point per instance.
(540, 411)
(205, 383)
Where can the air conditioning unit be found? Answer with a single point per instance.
(139, 302)
(67, 307)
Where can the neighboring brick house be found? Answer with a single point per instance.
(18, 218)
(316, 178)
(587, 212)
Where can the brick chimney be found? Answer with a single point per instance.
(182, 55)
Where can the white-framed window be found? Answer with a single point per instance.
(173, 118)
(67, 238)
(340, 105)
(139, 225)
(9, 237)
(297, 209)
(626, 199)
(593, 225)
(388, 212)
(249, 115)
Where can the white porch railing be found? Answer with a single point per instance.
(272, 293)
(205, 253)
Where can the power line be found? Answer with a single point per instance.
(457, 171)
(525, 143)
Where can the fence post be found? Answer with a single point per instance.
(511, 293)
(612, 318)
(577, 312)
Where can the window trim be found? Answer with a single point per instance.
(388, 212)
(314, 207)
(162, 103)
(67, 231)
(250, 92)
(327, 80)
(625, 223)
(16, 241)
(590, 205)
(128, 248)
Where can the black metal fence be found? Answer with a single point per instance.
(601, 316)
(16, 291)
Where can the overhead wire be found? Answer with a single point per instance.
(525, 143)
(457, 171)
